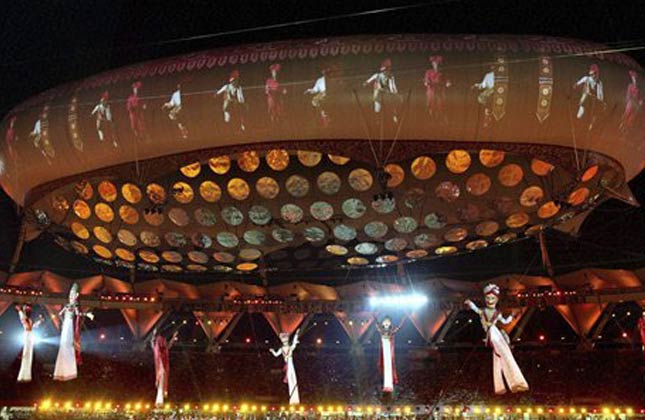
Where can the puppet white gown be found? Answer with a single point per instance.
(27, 351)
(290, 371)
(388, 376)
(66, 361)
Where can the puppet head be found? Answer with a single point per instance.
(491, 295)
(594, 70)
(27, 310)
(387, 322)
(73, 294)
(274, 69)
(284, 338)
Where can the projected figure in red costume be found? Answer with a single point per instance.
(633, 103)
(11, 138)
(103, 115)
(387, 364)
(486, 88)
(135, 107)
(173, 106)
(592, 98)
(504, 365)
(319, 99)
(384, 88)
(436, 85)
(275, 94)
(286, 351)
(161, 350)
(233, 99)
(69, 351)
(24, 312)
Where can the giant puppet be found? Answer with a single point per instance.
(24, 312)
(286, 351)
(387, 364)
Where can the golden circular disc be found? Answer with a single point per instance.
(415, 254)
(267, 187)
(338, 160)
(84, 190)
(309, 158)
(60, 203)
(156, 193)
(80, 230)
(385, 259)
(328, 182)
(238, 189)
(589, 173)
(191, 170)
(578, 196)
(250, 254)
(79, 247)
(491, 158)
(297, 186)
(360, 179)
(153, 218)
(397, 174)
(533, 230)
(336, 249)
(149, 256)
(82, 209)
(357, 261)
(447, 191)
(248, 161)
(172, 268)
(131, 193)
(223, 257)
(548, 210)
(478, 184)
(183, 192)
(517, 220)
(102, 251)
(179, 216)
(102, 234)
(124, 254)
(506, 237)
(198, 257)
(456, 234)
(477, 244)
(445, 250)
(107, 191)
(247, 266)
(487, 228)
(220, 164)
(510, 175)
(531, 196)
(196, 267)
(126, 237)
(458, 161)
(277, 159)
(150, 239)
(423, 167)
(210, 191)
(104, 212)
(128, 214)
(171, 256)
(540, 167)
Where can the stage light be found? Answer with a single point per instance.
(225, 407)
(166, 407)
(412, 300)
(186, 407)
(318, 341)
(102, 336)
(247, 340)
(36, 338)
(128, 407)
(68, 405)
(542, 337)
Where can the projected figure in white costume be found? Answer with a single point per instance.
(286, 351)
(387, 364)
(24, 312)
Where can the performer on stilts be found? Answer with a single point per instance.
(633, 103)
(275, 94)
(505, 367)
(104, 123)
(436, 85)
(135, 107)
(233, 99)
(174, 111)
(286, 351)
(24, 312)
(592, 99)
(486, 88)
(69, 351)
(387, 364)
(641, 331)
(384, 89)
(319, 99)
(161, 350)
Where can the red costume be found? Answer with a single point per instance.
(135, 107)
(161, 351)
(10, 138)
(633, 102)
(436, 85)
(274, 94)
(641, 330)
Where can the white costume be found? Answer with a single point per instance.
(174, 111)
(383, 83)
(504, 365)
(592, 91)
(233, 98)
(319, 92)
(387, 363)
(28, 346)
(286, 351)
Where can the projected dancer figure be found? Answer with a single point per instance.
(504, 365)
(436, 85)
(104, 123)
(233, 99)
(135, 107)
(641, 331)
(384, 87)
(319, 90)
(274, 93)
(69, 351)
(161, 350)
(592, 98)
(633, 103)
(24, 312)
(174, 111)
(486, 88)
(386, 363)
(286, 351)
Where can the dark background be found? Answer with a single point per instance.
(48, 43)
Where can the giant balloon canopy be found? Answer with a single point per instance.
(315, 154)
